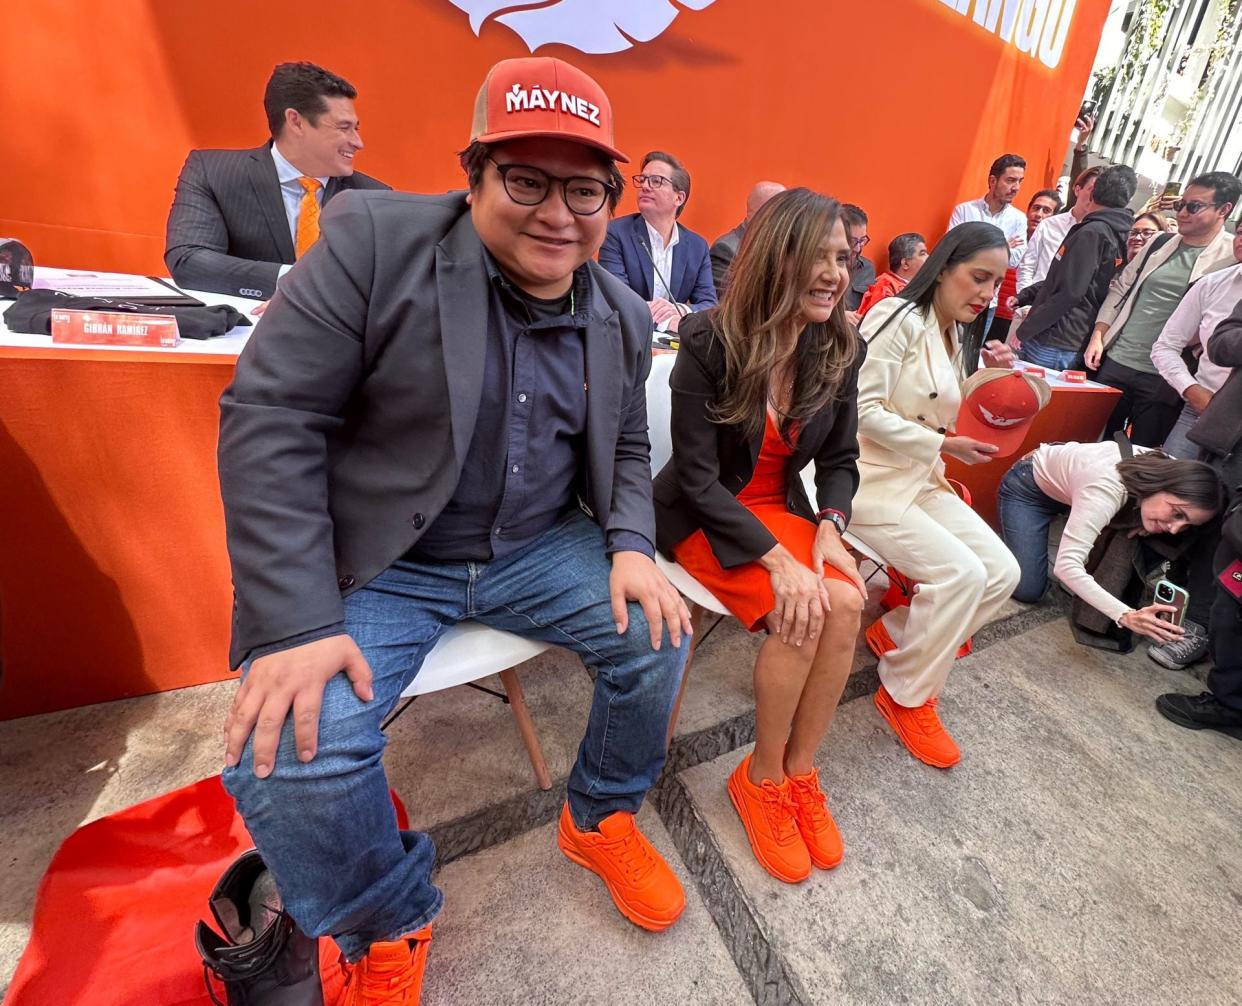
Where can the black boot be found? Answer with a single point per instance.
(263, 959)
(1200, 712)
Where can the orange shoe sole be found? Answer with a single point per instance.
(738, 804)
(878, 640)
(825, 864)
(648, 922)
(893, 722)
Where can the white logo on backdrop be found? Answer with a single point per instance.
(1036, 27)
(594, 26)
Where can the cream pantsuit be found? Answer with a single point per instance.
(908, 398)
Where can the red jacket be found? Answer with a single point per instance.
(888, 285)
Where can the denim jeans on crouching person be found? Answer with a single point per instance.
(1046, 356)
(1026, 512)
(327, 828)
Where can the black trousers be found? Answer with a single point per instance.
(1225, 642)
(1147, 403)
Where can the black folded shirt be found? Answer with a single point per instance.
(31, 313)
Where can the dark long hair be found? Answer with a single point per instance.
(781, 246)
(1153, 472)
(963, 242)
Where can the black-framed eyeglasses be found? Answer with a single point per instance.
(1143, 232)
(858, 244)
(529, 186)
(1192, 206)
(651, 181)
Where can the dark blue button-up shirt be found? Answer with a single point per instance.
(525, 463)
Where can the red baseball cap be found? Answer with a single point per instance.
(543, 96)
(998, 407)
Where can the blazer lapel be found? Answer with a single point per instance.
(645, 253)
(334, 186)
(605, 374)
(463, 298)
(267, 191)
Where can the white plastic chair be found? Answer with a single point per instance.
(659, 419)
(470, 651)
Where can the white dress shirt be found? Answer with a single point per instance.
(291, 192)
(1010, 220)
(1048, 237)
(1205, 305)
(662, 256)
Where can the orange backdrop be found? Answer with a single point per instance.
(898, 105)
(113, 574)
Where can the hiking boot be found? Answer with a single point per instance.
(769, 816)
(1200, 712)
(815, 823)
(1181, 653)
(262, 959)
(920, 730)
(391, 974)
(642, 886)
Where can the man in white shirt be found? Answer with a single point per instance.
(1050, 233)
(241, 218)
(996, 207)
(1206, 305)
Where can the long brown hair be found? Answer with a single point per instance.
(781, 247)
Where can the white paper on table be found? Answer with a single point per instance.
(84, 283)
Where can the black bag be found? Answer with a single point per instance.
(31, 313)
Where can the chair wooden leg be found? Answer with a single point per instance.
(526, 726)
(697, 614)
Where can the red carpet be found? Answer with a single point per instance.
(115, 913)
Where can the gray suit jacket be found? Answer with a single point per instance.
(227, 229)
(345, 429)
(723, 251)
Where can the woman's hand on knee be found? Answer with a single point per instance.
(292, 679)
(801, 598)
(830, 549)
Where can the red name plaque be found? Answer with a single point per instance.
(106, 328)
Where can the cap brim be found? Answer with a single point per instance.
(1006, 441)
(552, 134)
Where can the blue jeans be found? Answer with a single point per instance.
(1046, 356)
(327, 828)
(1026, 512)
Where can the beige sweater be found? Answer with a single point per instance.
(1084, 476)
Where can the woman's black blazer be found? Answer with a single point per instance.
(713, 462)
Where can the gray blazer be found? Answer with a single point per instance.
(227, 228)
(345, 429)
(723, 251)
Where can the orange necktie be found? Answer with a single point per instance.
(308, 215)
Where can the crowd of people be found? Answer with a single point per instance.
(442, 416)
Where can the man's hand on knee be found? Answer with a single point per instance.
(636, 578)
(290, 679)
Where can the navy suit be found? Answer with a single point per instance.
(626, 253)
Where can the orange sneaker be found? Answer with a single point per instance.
(880, 642)
(768, 815)
(391, 974)
(920, 730)
(815, 823)
(642, 886)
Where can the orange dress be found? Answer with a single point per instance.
(746, 590)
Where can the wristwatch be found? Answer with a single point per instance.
(837, 518)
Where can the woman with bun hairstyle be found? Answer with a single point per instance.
(921, 345)
(765, 385)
